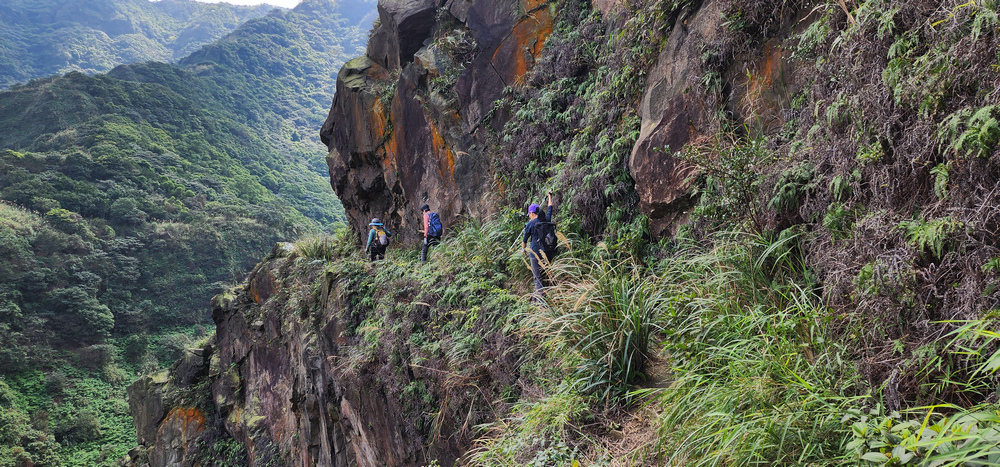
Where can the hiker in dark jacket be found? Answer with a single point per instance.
(536, 253)
(432, 230)
(378, 240)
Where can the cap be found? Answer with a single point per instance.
(425, 208)
(533, 208)
(375, 221)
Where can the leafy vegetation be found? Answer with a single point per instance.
(128, 199)
(831, 299)
(575, 119)
(819, 304)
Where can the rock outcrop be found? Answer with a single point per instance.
(406, 124)
(410, 124)
(409, 120)
(287, 380)
(672, 116)
(676, 109)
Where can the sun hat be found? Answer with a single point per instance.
(533, 208)
(375, 221)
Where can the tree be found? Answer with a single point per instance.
(78, 316)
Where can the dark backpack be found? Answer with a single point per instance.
(545, 235)
(434, 227)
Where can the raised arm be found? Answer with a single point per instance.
(548, 211)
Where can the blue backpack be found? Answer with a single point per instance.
(434, 227)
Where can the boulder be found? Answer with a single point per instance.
(404, 25)
(673, 114)
(146, 405)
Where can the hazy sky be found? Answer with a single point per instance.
(281, 3)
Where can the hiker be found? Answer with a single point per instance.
(432, 230)
(540, 231)
(378, 239)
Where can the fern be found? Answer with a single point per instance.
(969, 133)
(794, 183)
(940, 173)
(930, 236)
(840, 187)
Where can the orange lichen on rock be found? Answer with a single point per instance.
(520, 50)
(377, 121)
(764, 86)
(443, 153)
(390, 150)
(187, 421)
(262, 286)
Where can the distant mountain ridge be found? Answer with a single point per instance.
(40, 38)
(128, 198)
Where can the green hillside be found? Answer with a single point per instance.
(44, 37)
(128, 199)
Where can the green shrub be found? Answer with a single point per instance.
(839, 220)
(536, 433)
(731, 169)
(79, 316)
(869, 154)
(79, 427)
(923, 437)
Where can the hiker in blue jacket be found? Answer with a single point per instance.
(378, 240)
(432, 230)
(534, 232)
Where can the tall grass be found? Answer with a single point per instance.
(755, 379)
(484, 242)
(327, 247)
(603, 317)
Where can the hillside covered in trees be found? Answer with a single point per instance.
(40, 38)
(128, 199)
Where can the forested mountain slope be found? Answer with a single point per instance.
(40, 38)
(130, 198)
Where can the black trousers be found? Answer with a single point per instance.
(376, 252)
(428, 243)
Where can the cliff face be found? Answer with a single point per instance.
(416, 120)
(304, 370)
(406, 125)
(829, 132)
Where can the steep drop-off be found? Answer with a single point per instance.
(323, 360)
(128, 199)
